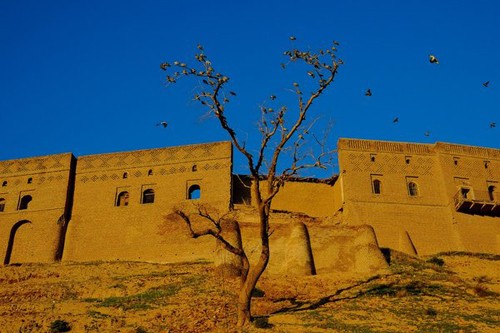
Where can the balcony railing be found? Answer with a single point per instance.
(477, 202)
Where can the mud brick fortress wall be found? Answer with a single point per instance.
(121, 200)
(35, 202)
(422, 198)
(417, 198)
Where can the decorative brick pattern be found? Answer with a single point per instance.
(34, 165)
(180, 169)
(155, 157)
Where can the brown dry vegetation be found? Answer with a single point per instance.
(415, 296)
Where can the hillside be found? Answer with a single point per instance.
(451, 293)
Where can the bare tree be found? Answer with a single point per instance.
(282, 131)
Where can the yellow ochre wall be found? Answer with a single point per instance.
(34, 234)
(311, 197)
(73, 214)
(100, 230)
(427, 222)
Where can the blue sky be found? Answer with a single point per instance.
(84, 76)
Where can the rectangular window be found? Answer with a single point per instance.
(376, 183)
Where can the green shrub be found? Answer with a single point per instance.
(261, 322)
(436, 261)
(431, 312)
(60, 326)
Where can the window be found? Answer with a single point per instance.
(486, 164)
(492, 191)
(455, 160)
(2, 204)
(194, 168)
(412, 189)
(194, 192)
(150, 172)
(376, 186)
(30, 180)
(4, 183)
(122, 199)
(125, 175)
(465, 192)
(372, 157)
(148, 196)
(24, 202)
(407, 159)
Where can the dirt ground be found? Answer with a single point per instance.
(448, 293)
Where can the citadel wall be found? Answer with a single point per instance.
(407, 193)
(35, 201)
(121, 201)
(419, 198)
(312, 197)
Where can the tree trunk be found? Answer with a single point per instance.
(253, 275)
(245, 295)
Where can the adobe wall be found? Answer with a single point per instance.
(475, 168)
(33, 234)
(428, 220)
(314, 198)
(101, 230)
(334, 249)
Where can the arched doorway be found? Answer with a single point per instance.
(12, 236)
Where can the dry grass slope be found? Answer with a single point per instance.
(452, 292)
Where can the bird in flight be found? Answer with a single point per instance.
(368, 92)
(427, 133)
(395, 120)
(493, 125)
(162, 123)
(433, 59)
(292, 38)
(486, 84)
(272, 97)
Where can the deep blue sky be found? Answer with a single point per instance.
(84, 76)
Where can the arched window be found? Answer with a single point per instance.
(150, 172)
(492, 192)
(122, 199)
(30, 180)
(148, 196)
(4, 183)
(194, 192)
(412, 189)
(25, 200)
(2, 204)
(194, 168)
(125, 175)
(376, 186)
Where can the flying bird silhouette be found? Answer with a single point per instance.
(272, 97)
(433, 59)
(293, 38)
(368, 92)
(492, 125)
(395, 120)
(232, 93)
(486, 84)
(162, 123)
(427, 133)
